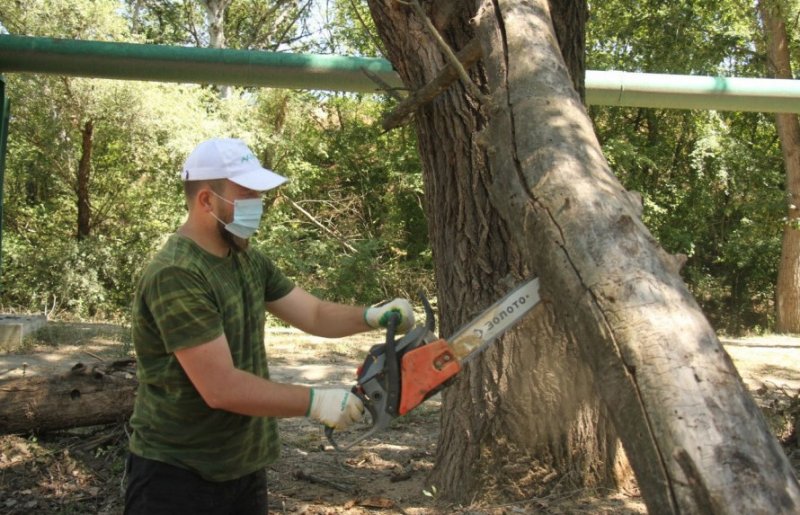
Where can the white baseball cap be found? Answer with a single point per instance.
(229, 158)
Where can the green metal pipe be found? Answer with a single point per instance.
(692, 92)
(188, 64)
(338, 73)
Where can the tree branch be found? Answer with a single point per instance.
(471, 87)
(321, 225)
(466, 57)
(277, 41)
(392, 92)
(190, 26)
(375, 39)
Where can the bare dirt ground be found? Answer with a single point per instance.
(81, 470)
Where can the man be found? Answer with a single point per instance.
(203, 426)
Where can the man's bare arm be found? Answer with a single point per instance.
(222, 386)
(318, 317)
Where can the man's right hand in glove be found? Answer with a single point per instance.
(336, 408)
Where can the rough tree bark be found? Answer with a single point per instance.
(85, 396)
(530, 395)
(519, 185)
(788, 286)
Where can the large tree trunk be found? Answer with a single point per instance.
(518, 185)
(530, 400)
(85, 396)
(788, 287)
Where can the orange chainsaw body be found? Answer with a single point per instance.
(424, 370)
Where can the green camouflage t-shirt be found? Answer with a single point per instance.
(187, 297)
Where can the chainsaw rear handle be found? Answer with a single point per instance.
(380, 421)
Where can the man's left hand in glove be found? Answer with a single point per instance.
(378, 315)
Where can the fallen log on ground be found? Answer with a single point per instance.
(87, 395)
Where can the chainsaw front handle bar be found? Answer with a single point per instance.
(381, 418)
(399, 375)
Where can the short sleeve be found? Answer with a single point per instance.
(277, 285)
(183, 308)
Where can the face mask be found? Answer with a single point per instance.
(246, 216)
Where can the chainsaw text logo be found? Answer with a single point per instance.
(506, 313)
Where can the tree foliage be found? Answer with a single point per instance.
(247, 23)
(362, 186)
(712, 182)
(349, 225)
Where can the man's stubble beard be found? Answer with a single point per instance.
(236, 243)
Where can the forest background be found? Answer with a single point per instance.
(92, 174)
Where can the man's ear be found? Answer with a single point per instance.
(203, 199)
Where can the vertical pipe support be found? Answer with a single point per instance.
(5, 114)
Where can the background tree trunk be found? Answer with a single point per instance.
(85, 396)
(788, 287)
(519, 185)
(528, 407)
(215, 14)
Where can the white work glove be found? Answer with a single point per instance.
(336, 408)
(378, 315)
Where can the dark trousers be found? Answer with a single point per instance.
(155, 488)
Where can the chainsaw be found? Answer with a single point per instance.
(397, 376)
